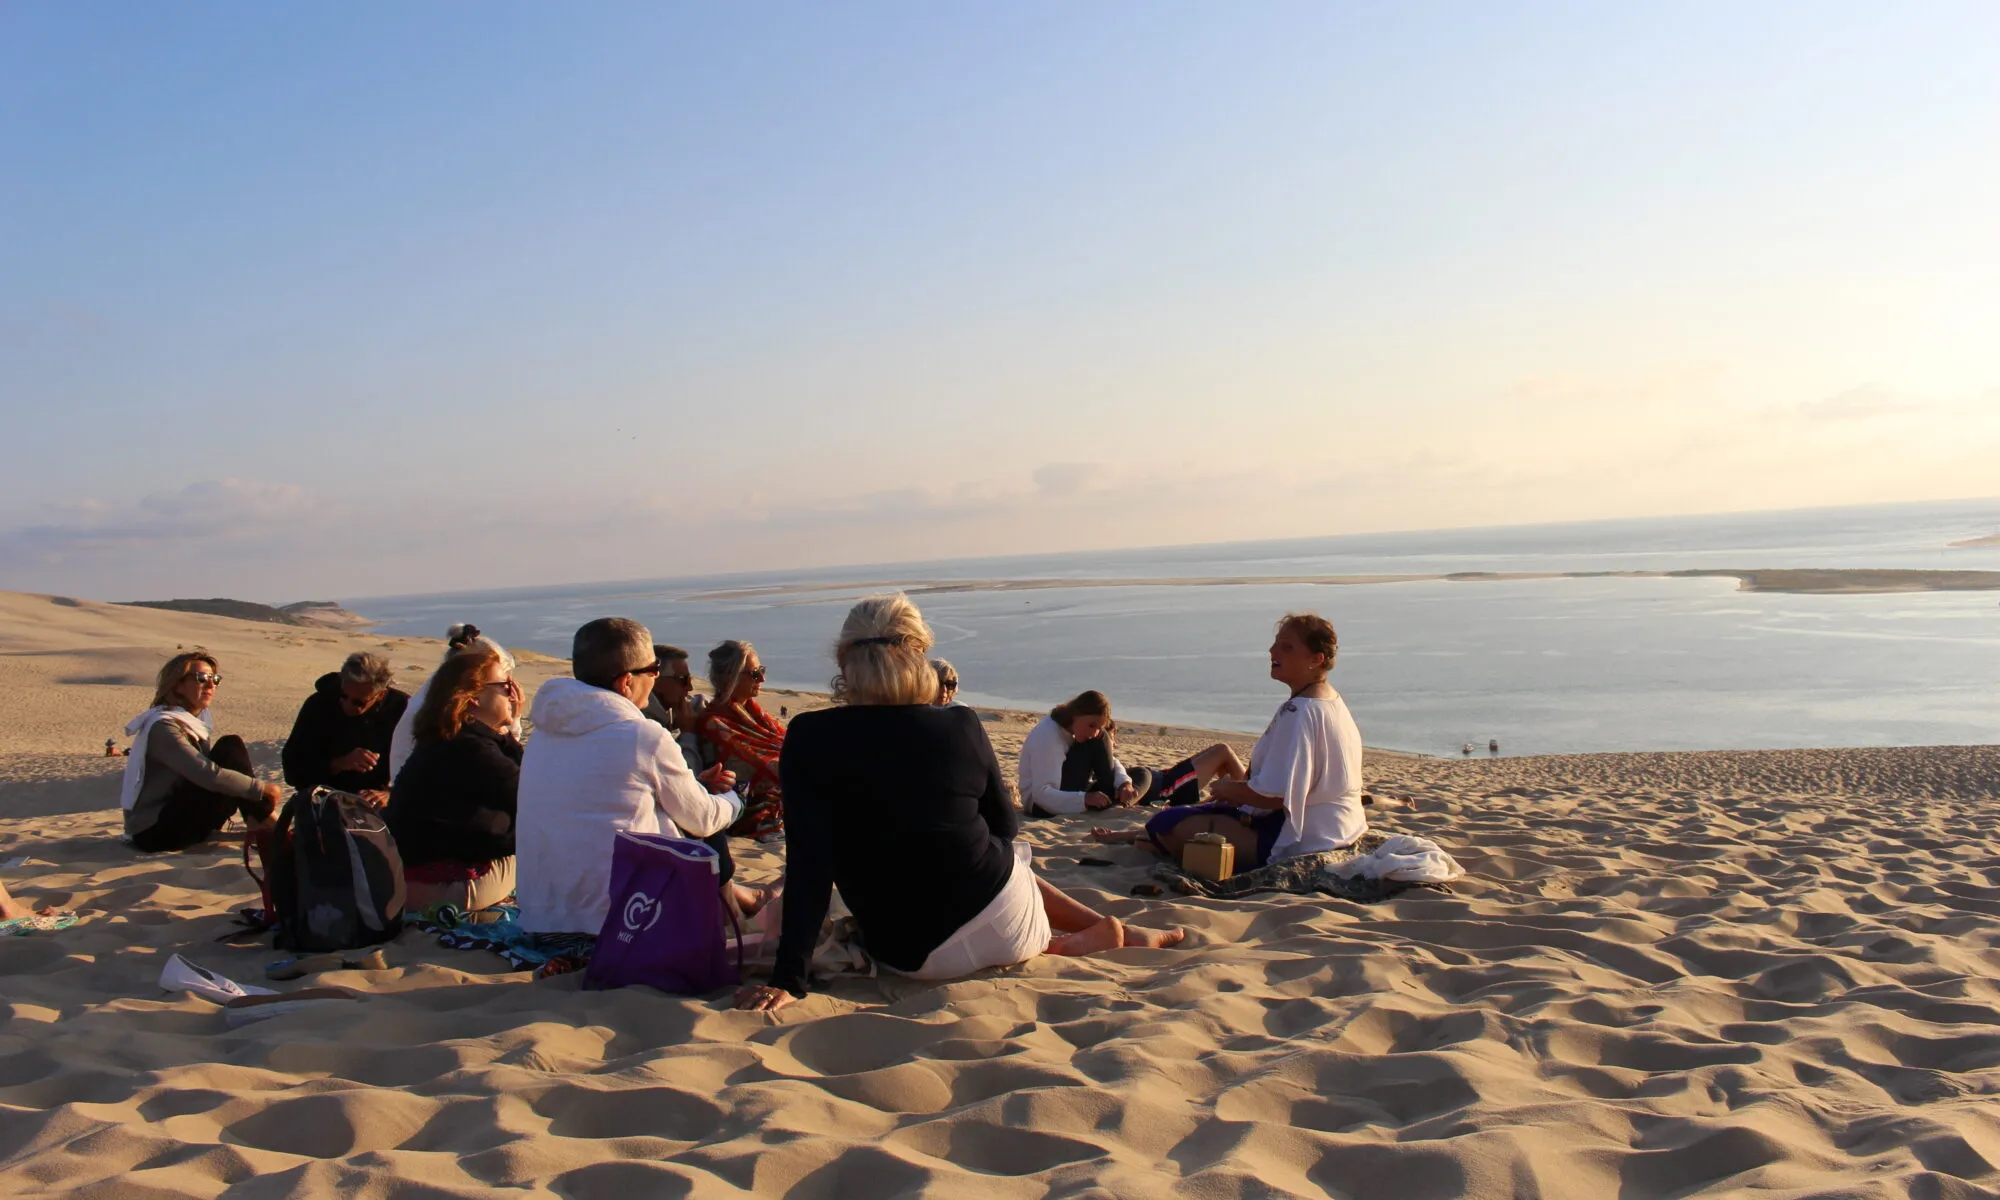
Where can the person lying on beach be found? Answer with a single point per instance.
(341, 736)
(1307, 764)
(180, 786)
(452, 808)
(404, 740)
(596, 766)
(746, 738)
(1067, 764)
(947, 677)
(901, 804)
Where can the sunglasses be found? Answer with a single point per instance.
(756, 674)
(205, 679)
(364, 702)
(507, 685)
(684, 679)
(652, 668)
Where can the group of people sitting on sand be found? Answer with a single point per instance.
(894, 795)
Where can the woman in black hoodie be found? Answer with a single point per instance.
(452, 807)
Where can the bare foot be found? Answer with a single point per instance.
(749, 900)
(1108, 934)
(11, 908)
(1116, 837)
(1154, 939)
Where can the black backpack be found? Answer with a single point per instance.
(334, 880)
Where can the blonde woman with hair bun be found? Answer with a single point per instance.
(900, 803)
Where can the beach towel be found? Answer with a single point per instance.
(47, 922)
(502, 935)
(1306, 875)
(137, 729)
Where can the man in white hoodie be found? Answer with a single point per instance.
(594, 766)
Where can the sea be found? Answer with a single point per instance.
(1542, 666)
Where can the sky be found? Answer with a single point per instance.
(333, 301)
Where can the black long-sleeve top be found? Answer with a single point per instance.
(903, 807)
(454, 801)
(324, 731)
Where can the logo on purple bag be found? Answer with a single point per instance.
(642, 912)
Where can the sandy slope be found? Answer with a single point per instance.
(1670, 975)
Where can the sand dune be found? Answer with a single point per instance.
(1668, 975)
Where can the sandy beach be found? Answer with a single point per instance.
(1695, 974)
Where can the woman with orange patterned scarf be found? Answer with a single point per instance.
(747, 739)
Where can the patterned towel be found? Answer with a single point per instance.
(37, 923)
(1304, 876)
(545, 954)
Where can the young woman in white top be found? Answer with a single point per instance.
(1067, 764)
(1308, 763)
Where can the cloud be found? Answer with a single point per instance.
(208, 510)
(1061, 479)
(1860, 403)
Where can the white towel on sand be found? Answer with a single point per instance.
(1405, 859)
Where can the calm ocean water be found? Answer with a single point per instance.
(1545, 666)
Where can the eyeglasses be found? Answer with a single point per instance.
(756, 673)
(684, 679)
(364, 702)
(652, 668)
(205, 679)
(509, 686)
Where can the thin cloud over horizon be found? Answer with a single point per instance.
(302, 303)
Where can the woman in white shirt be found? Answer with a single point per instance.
(1308, 763)
(1067, 764)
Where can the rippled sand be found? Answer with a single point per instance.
(1667, 975)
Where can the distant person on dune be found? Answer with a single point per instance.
(341, 736)
(181, 782)
(1067, 764)
(596, 766)
(900, 803)
(457, 638)
(1303, 792)
(747, 739)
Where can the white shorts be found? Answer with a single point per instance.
(1013, 928)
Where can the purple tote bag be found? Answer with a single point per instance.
(665, 924)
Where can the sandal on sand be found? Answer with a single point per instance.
(41, 922)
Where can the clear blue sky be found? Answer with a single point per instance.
(344, 300)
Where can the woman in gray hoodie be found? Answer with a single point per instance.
(179, 788)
